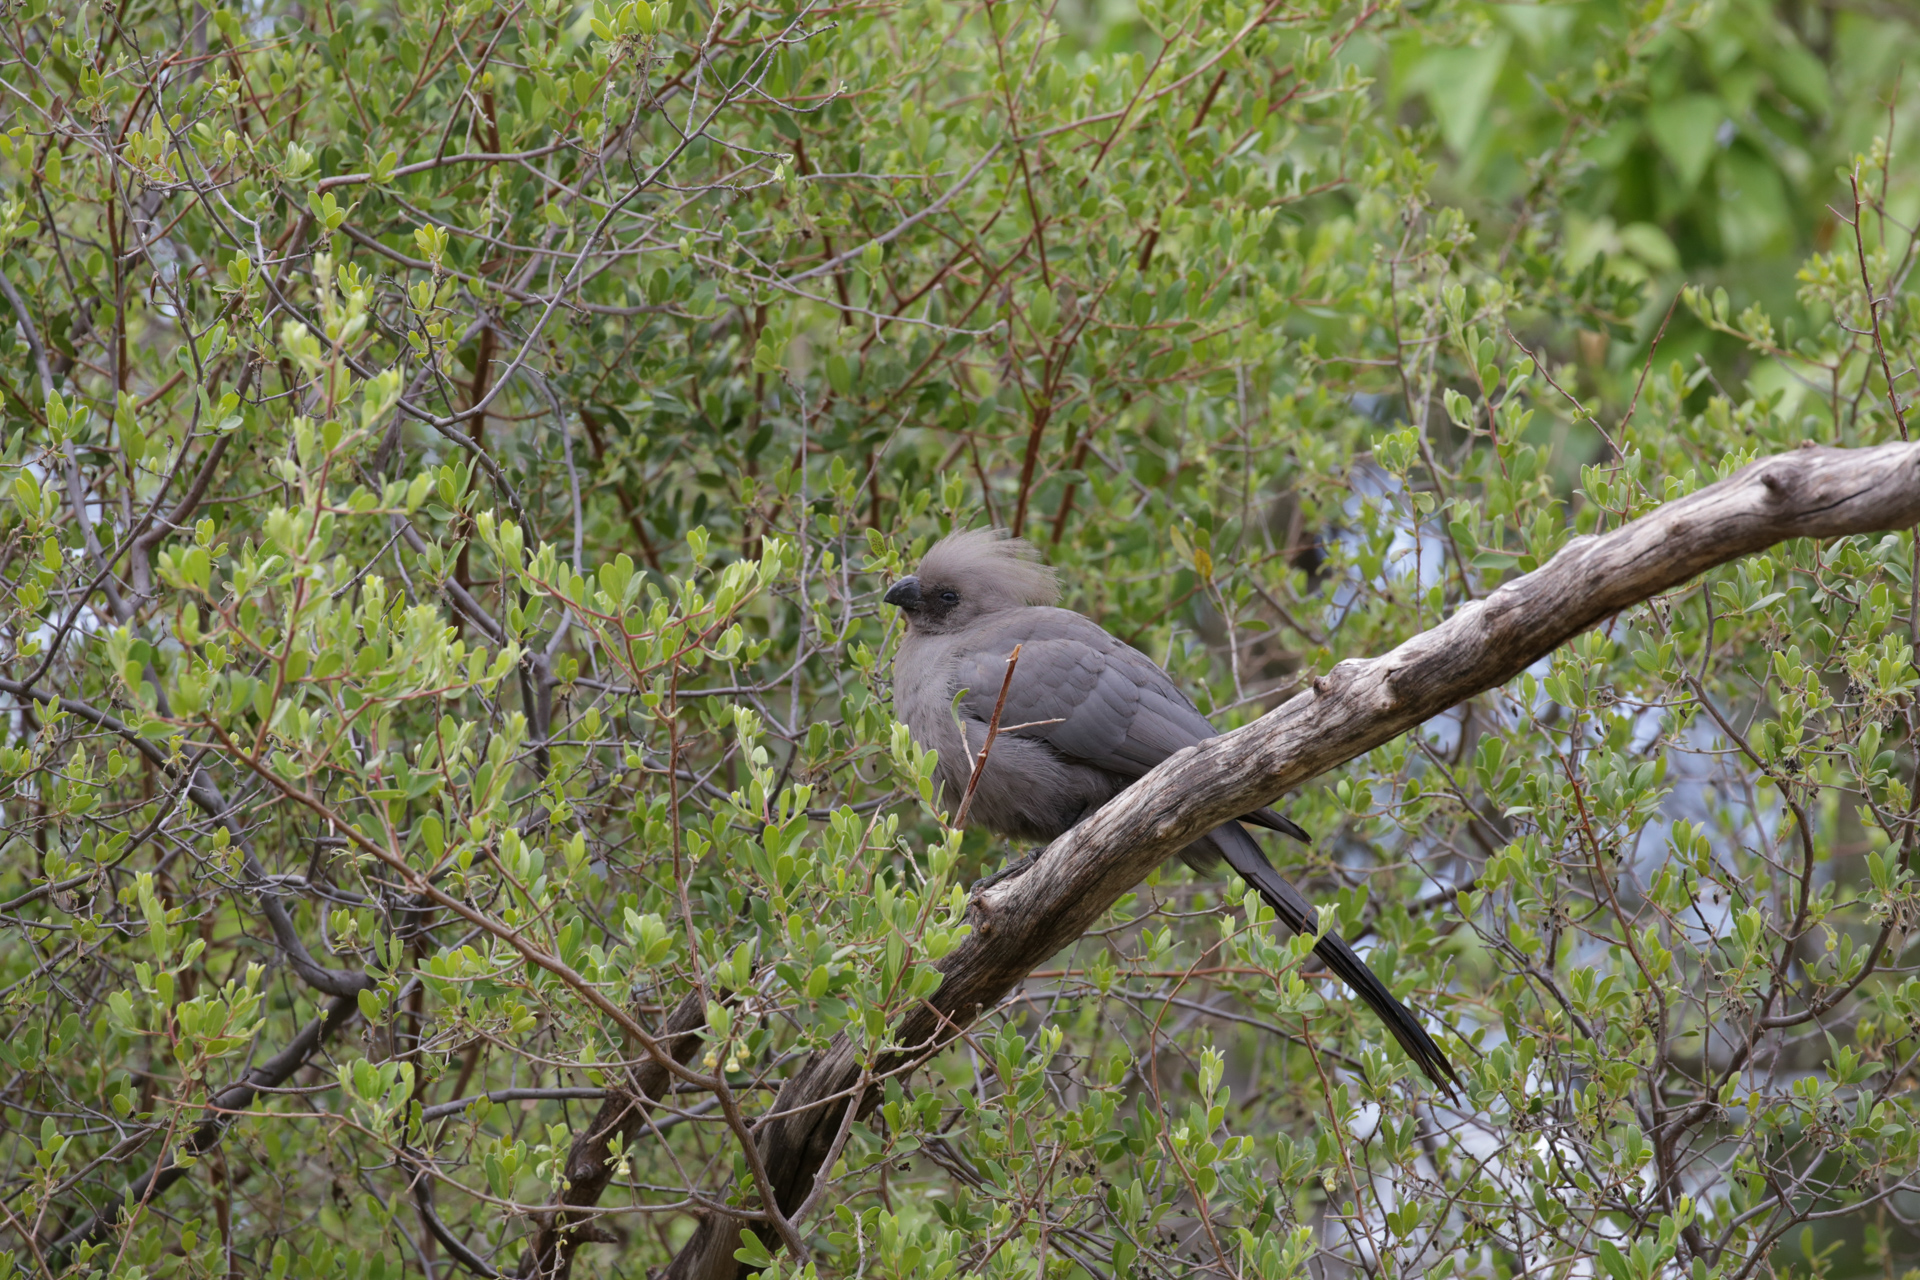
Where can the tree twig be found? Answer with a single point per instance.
(993, 731)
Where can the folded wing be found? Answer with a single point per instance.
(1088, 695)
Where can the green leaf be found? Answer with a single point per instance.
(752, 1251)
(1754, 214)
(839, 374)
(1458, 84)
(1685, 130)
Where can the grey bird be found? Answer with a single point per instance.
(1085, 715)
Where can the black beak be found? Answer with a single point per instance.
(904, 594)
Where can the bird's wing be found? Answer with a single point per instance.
(1085, 693)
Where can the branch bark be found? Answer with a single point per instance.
(590, 1162)
(1357, 706)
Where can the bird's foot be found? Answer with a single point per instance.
(1007, 872)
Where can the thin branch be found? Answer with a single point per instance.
(1873, 311)
(993, 731)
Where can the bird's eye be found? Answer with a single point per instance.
(950, 597)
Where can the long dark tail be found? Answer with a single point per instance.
(1274, 820)
(1246, 858)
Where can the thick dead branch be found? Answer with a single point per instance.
(1358, 705)
(591, 1162)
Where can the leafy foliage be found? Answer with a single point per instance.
(453, 455)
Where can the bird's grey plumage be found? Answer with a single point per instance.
(1086, 714)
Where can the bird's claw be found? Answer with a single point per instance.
(1007, 872)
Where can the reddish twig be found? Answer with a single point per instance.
(1873, 311)
(993, 731)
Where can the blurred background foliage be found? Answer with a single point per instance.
(454, 452)
(1705, 151)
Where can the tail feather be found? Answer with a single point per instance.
(1274, 820)
(1247, 859)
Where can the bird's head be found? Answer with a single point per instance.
(966, 577)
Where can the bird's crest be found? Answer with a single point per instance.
(986, 563)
